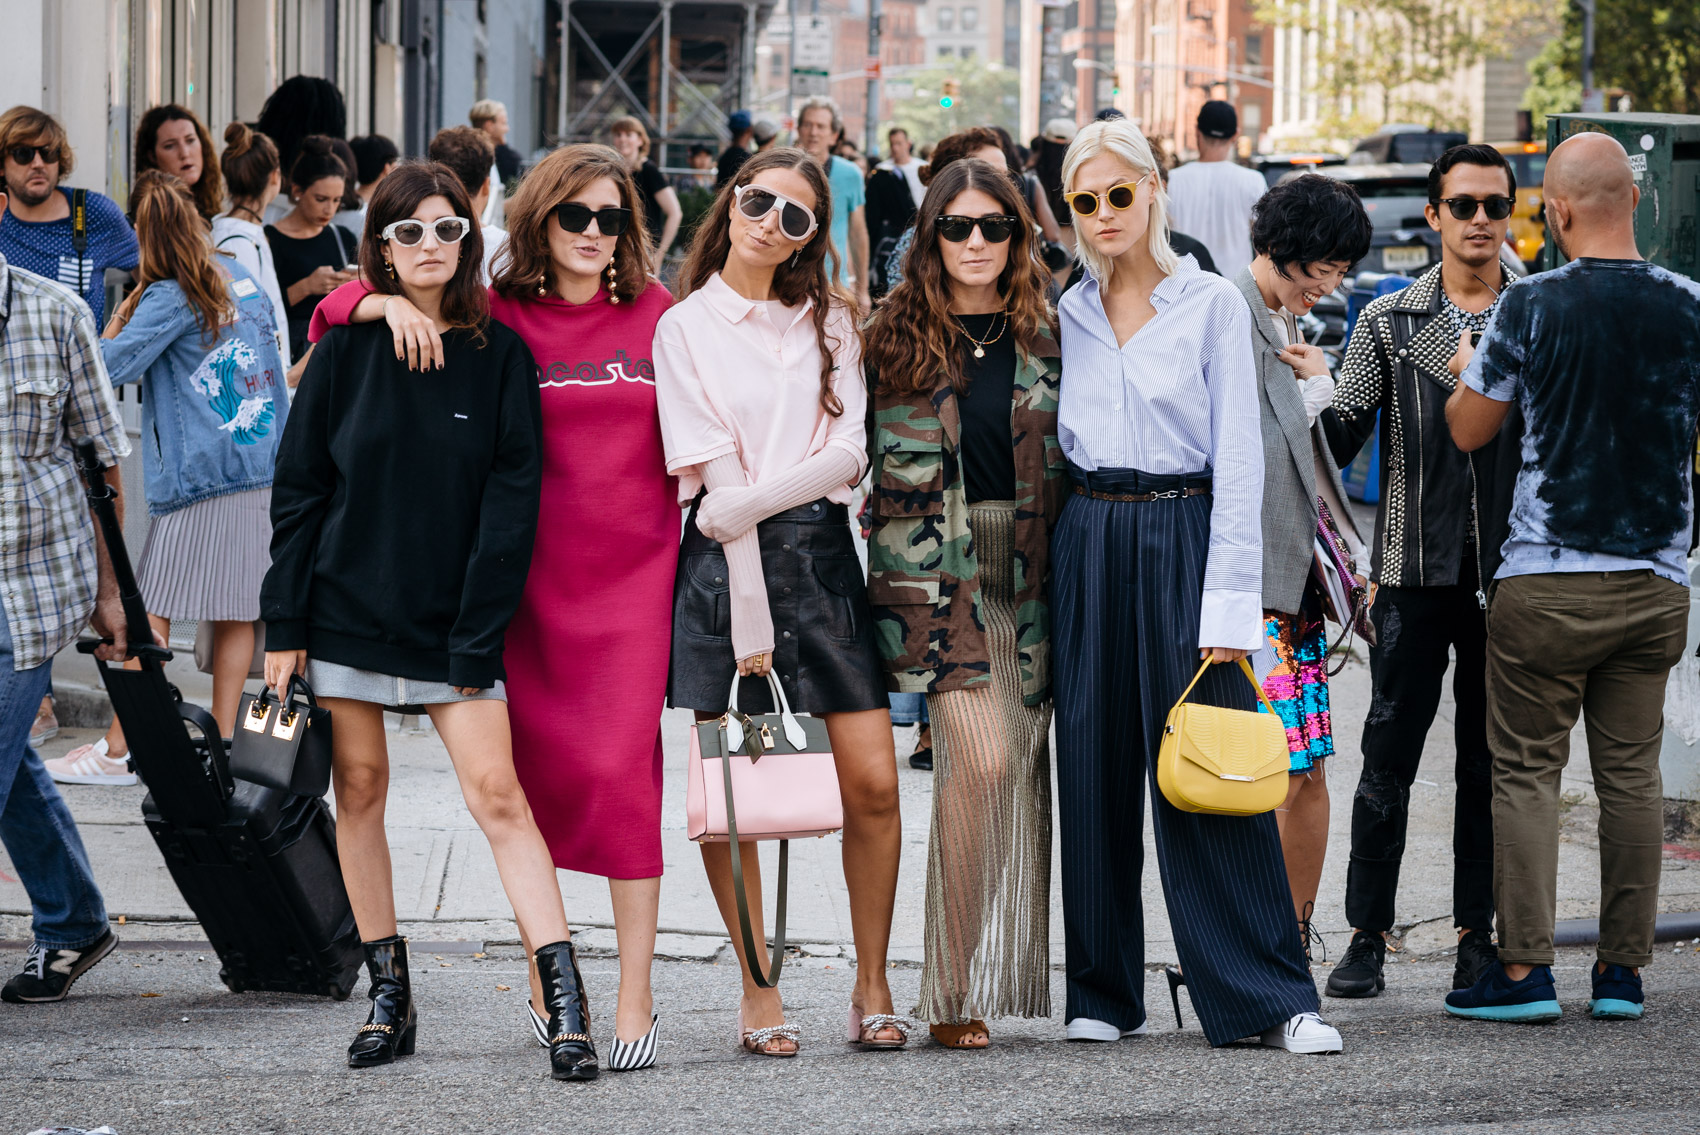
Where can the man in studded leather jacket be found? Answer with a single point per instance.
(1442, 517)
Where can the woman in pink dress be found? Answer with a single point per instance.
(587, 651)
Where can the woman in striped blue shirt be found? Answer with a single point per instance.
(1157, 563)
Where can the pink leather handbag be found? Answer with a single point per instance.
(756, 777)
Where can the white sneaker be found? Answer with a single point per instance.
(1305, 1033)
(1085, 1028)
(89, 764)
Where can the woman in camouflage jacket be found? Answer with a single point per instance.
(963, 372)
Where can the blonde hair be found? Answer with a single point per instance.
(1122, 139)
(485, 110)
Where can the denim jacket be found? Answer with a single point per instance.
(212, 411)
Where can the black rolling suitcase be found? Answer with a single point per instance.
(257, 866)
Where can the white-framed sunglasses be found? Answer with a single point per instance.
(796, 220)
(410, 232)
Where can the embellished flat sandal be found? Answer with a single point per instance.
(865, 1029)
(761, 1042)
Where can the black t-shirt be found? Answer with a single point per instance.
(732, 159)
(508, 162)
(1184, 245)
(988, 448)
(296, 259)
(650, 182)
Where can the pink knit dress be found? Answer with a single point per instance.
(587, 651)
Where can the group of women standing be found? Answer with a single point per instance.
(1066, 513)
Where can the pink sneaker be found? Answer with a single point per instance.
(89, 764)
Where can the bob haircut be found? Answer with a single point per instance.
(209, 190)
(914, 342)
(27, 126)
(1311, 219)
(466, 304)
(525, 263)
(1122, 139)
(630, 125)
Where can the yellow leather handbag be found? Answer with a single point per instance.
(1225, 762)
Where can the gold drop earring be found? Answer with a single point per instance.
(543, 287)
(613, 296)
(389, 266)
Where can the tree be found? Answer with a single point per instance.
(1381, 61)
(987, 97)
(1644, 50)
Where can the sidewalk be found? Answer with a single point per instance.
(447, 889)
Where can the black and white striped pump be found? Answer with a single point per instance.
(640, 1053)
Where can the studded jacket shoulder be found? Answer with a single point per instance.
(1435, 501)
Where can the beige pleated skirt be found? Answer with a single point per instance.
(989, 855)
(206, 561)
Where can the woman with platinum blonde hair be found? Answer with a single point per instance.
(1157, 564)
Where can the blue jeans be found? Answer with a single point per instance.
(36, 827)
(908, 709)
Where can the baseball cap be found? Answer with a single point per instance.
(1060, 130)
(1218, 120)
(738, 121)
(765, 131)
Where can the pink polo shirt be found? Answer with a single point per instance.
(740, 376)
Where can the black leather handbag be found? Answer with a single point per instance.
(283, 745)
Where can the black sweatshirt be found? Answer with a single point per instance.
(404, 506)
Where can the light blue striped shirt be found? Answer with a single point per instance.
(1180, 396)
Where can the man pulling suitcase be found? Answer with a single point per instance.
(54, 574)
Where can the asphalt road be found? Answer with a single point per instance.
(153, 1045)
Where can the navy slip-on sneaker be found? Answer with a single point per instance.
(1617, 994)
(1496, 997)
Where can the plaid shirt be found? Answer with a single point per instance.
(53, 387)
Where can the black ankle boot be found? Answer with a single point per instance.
(572, 1055)
(389, 1028)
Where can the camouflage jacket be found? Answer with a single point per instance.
(923, 578)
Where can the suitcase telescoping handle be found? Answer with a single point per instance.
(102, 501)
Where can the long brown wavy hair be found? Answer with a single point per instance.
(914, 339)
(209, 191)
(525, 263)
(806, 276)
(466, 304)
(173, 246)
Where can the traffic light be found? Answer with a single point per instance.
(952, 89)
(1115, 86)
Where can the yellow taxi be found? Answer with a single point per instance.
(1528, 220)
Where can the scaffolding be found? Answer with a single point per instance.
(678, 67)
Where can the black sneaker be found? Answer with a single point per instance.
(48, 974)
(1476, 952)
(1359, 972)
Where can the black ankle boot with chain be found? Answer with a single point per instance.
(572, 1055)
(390, 1026)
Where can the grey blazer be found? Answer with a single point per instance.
(1289, 465)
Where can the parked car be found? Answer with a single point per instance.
(1528, 220)
(1274, 166)
(1405, 143)
(1394, 197)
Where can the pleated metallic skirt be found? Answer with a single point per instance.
(206, 561)
(989, 854)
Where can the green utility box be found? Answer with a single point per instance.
(1664, 151)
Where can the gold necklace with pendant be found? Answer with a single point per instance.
(980, 345)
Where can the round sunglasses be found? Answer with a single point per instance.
(1118, 197)
(796, 220)
(408, 233)
(996, 228)
(1464, 208)
(575, 218)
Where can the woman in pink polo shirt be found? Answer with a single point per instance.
(758, 372)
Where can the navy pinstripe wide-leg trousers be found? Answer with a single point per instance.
(1127, 583)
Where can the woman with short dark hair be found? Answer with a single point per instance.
(1306, 235)
(404, 512)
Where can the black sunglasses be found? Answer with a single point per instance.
(575, 218)
(996, 229)
(23, 155)
(1464, 208)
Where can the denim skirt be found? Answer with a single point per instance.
(823, 631)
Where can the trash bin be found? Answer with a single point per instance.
(1362, 477)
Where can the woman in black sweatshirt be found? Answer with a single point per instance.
(403, 511)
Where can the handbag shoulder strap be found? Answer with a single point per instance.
(752, 952)
(1250, 676)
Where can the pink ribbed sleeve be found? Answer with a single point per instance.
(752, 619)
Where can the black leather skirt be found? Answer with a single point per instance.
(823, 632)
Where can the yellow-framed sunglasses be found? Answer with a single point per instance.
(1118, 197)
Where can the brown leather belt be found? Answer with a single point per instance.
(1134, 498)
